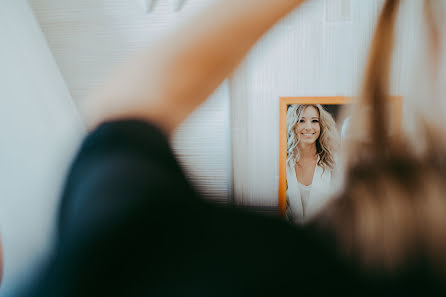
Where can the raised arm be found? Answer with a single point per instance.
(166, 82)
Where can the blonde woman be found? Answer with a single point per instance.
(311, 145)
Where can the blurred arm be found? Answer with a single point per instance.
(166, 82)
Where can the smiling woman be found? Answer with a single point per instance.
(312, 141)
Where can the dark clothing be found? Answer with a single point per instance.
(132, 225)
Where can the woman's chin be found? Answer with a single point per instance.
(307, 141)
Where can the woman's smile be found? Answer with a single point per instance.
(308, 127)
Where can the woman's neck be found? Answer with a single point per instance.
(308, 151)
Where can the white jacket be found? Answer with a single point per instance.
(321, 188)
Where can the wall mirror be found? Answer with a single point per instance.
(312, 130)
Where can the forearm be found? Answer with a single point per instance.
(168, 81)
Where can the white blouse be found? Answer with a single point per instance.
(305, 201)
(304, 195)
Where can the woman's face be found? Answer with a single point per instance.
(308, 128)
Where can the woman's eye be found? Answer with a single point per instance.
(301, 121)
(315, 121)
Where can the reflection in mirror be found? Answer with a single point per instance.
(312, 145)
(313, 134)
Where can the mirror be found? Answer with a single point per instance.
(311, 134)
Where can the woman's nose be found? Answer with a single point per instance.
(307, 126)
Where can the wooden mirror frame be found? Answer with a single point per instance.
(283, 105)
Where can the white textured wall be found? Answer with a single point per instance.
(39, 132)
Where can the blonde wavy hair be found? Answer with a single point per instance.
(327, 142)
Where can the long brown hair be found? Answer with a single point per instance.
(392, 209)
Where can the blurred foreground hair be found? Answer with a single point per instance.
(392, 210)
